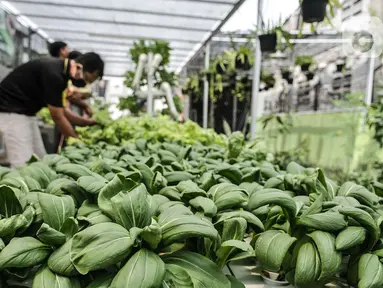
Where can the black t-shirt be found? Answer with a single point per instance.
(33, 86)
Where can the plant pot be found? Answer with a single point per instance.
(310, 76)
(270, 278)
(339, 67)
(305, 67)
(313, 10)
(268, 42)
(290, 81)
(286, 75)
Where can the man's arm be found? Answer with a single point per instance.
(78, 120)
(58, 116)
(82, 104)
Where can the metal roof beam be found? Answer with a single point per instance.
(32, 15)
(231, 2)
(217, 29)
(117, 36)
(99, 7)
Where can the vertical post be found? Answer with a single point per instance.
(150, 84)
(256, 75)
(206, 88)
(370, 82)
(30, 33)
(235, 109)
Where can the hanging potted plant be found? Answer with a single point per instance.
(304, 62)
(272, 36)
(286, 73)
(244, 58)
(315, 10)
(340, 65)
(221, 65)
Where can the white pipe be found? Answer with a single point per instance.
(150, 85)
(256, 76)
(206, 88)
(169, 99)
(156, 62)
(142, 60)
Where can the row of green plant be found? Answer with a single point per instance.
(165, 214)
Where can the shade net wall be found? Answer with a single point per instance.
(111, 27)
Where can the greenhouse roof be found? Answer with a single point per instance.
(111, 27)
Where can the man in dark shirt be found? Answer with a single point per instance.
(59, 49)
(36, 84)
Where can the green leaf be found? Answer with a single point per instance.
(230, 172)
(23, 253)
(56, 209)
(202, 271)
(350, 237)
(50, 236)
(144, 269)
(102, 281)
(9, 203)
(151, 234)
(70, 227)
(176, 177)
(147, 174)
(294, 168)
(275, 197)
(118, 184)
(232, 246)
(226, 195)
(74, 171)
(132, 208)
(9, 226)
(271, 248)
(60, 261)
(370, 272)
(207, 181)
(330, 259)
(178, 223)
(46, 279)
(251, 219)
(91, 184)
(176, 276)
(235, 283)
(189, 190)
(205, 205)
(171, 192)
(360, 193)
(158, 182)
(315, 207)
(234, 229)
(100, 246)
(329, 221)
(366, 221)
(307, 269)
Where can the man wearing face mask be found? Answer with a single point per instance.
(36, 84)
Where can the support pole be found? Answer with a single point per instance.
(30, 33)
(256, 75)
(206, 88)
(370, 82)
(150, 84)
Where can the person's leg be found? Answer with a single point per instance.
(38, 143)
(18, 138)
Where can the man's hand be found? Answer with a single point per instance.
(91, 122)
(88, 110)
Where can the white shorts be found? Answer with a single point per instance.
(22, 138)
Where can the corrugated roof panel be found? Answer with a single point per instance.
(112, 26)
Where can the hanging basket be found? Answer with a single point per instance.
(286, 75)
(305, 67)
(310, 76)
(339, 67)
(313, 10)
(268, 42)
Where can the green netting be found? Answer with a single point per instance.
(335, 140)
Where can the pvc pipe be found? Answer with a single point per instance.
(140, 68)
(206, 88)
(255, 101)
(169, 99)
(370, 82)
(156, 62)
(150, 85)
